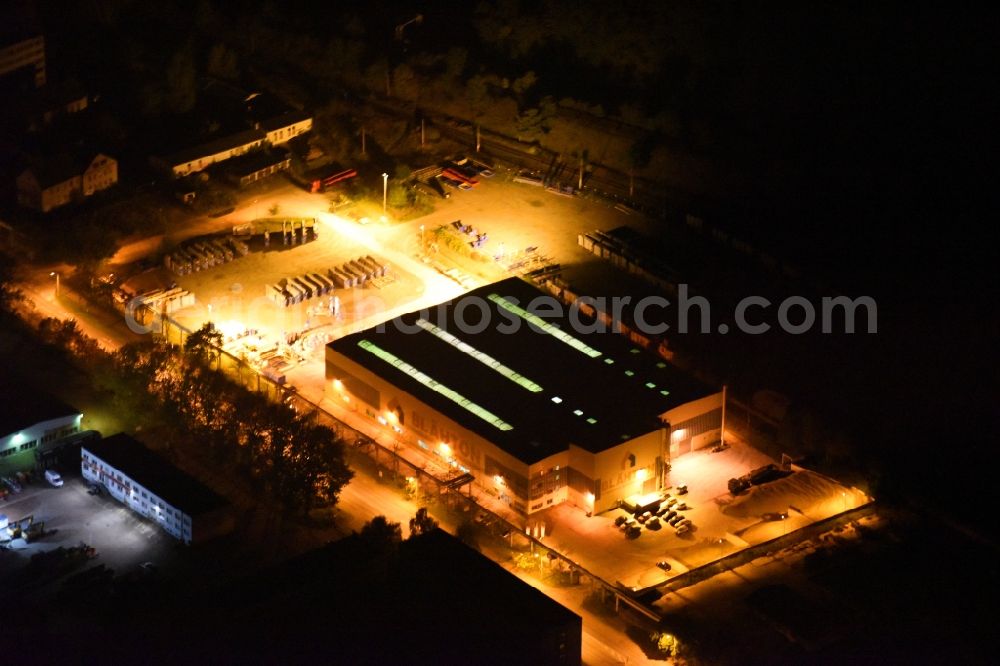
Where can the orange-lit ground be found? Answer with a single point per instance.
(723, 525)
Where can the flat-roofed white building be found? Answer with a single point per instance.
(156, 489)
(271, 132)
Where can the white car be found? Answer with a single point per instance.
(53, 477)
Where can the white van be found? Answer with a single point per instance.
(53, 477)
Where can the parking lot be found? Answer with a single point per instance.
(122, 539)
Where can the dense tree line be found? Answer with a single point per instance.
(298, 462)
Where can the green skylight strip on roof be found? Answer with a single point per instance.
(482, 357)
(547, 327)
(430, 383)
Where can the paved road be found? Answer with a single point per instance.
(603, 642)
(108, 329)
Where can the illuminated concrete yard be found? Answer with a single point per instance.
(723, 524)
(515, 216)
(233, 295)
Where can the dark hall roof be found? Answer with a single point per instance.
(22, 406)
(210, 148)
(531, 392)
(434, 601)
(284, 120)
(156, 474)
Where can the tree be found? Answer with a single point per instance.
(223, 63)
(398, 196)
(9, 294)
(273, 210)
(205, 343)
(665, 643)
(514, 28)
(534, 122)
(302, 463)
(182, 77)
(402, 172)
(454, 65)
(322, 464)
(381, 536)
(206, 17)
(406, 84)
(520, 86)
(640, 152)
(422, 523)
(477, 94)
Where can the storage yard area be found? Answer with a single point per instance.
(275, 287)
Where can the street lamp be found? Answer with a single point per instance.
(385, 191)
(56, 276)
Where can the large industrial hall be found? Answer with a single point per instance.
(529, 397)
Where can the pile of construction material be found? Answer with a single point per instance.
(203, 254)
(166, 301)
(359, 271)
(362, 271)
(297, 289)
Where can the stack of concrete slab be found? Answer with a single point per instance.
(241, 248)
(203, 254)
(325, 284)
(300, 288)
(358, 271)
(380, 267)
(279, 295)
(340, 278)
